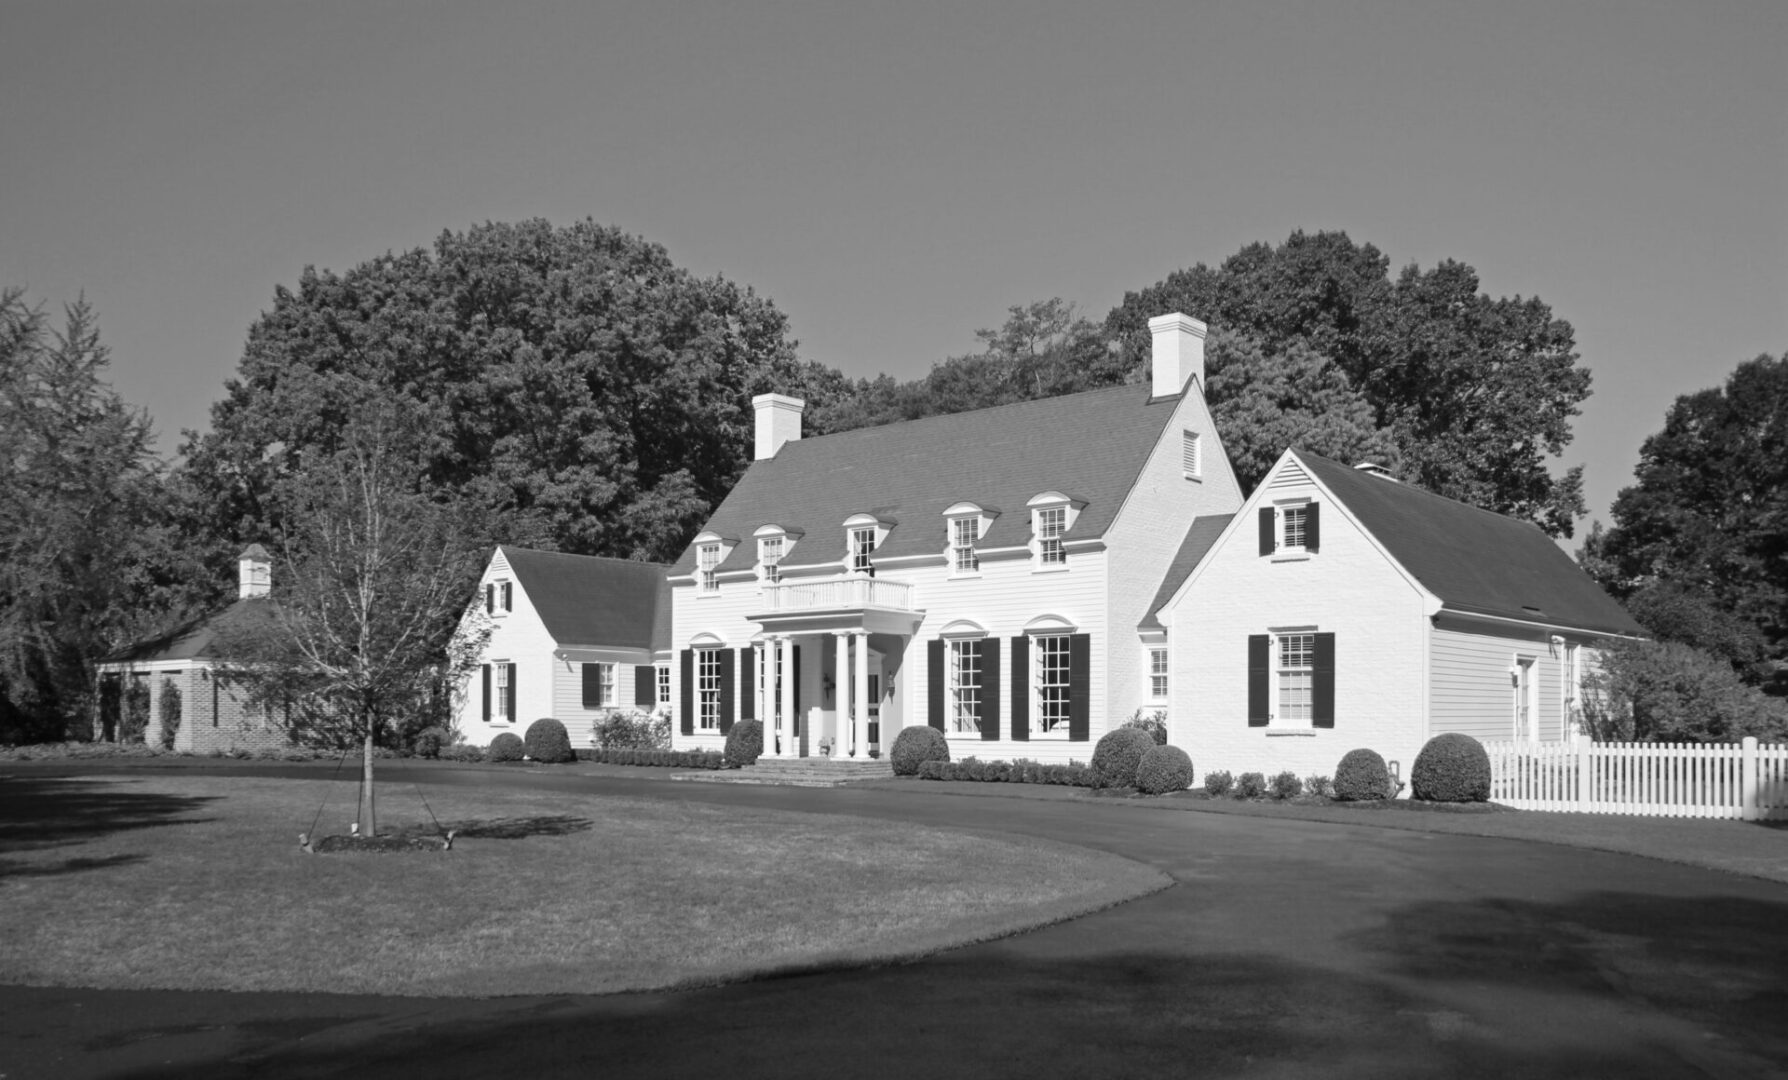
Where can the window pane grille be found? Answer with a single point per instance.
(1051, 523)
(962, 540)
(708, 559)
(664, 685)
(1051, 665)
(1297, 664)
(607, 678)
(1158, 674)
(769, 555)
(502, 695)
(1294, 525)
(862, 543)
(707, 682)
(965, 687)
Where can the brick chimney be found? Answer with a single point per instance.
(778, 422)
(254, 572)
(1178, 353)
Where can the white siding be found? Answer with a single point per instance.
(1348, 588)
(568, 698)
(1144, 538)
(517, 637)
(1472, 691)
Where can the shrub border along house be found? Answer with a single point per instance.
(1009, 772)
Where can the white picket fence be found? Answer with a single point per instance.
(1708, 780)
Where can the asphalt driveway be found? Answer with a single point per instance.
(1287, 949)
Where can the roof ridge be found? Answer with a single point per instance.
(1407, 486)
(1147, 400)
(576, 555)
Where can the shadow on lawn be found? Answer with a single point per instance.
(42, 813)
(1470, 989)
(518, 828)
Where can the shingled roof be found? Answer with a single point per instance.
(1200, 538)
(1090, 447)
(196, 640)
(596, 601)
(1475, 561)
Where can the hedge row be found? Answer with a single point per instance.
(674, 759)
(1008, 772)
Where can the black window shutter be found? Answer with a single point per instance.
(490, 599)
(486, 693)
(513, 718)
(1322, 712)
(795, 720)
(990, 688)
(1021, 689)
(1259, 712)
(645, 687)
(934, 663)
(1080, 703)
(1313, 527)
(1267, 542)
(592, 686)
(687, 724)
(508, 596)
(726, 690)
(748, 674)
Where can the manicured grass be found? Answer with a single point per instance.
(198, 882)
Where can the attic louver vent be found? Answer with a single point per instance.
(1290, 476)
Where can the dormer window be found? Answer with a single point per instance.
(964, 531)
(707, 562)
(1052, 515)
(769, 555)
(862, 543)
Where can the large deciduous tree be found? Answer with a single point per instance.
(1709, 514)
(86, 558)
(592, 391)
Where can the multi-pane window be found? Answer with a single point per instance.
(707, 688)
(606, 681)
(1297, 677)
(1189, 453)
(862, 543)
(965, 687)
(499, 596)
(963, 534)
(500, 706)
(707, 559)
(769, 556)
(1158, 674)
(1293, 520)
(664, 686)
(1050, 662)
(1052, 522)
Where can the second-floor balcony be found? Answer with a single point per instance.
(838, 594)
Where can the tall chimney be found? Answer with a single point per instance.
(1178, 353)
(778, 422)
(254, 572)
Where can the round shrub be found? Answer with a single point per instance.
(1164, 769)
(916, 745)
(1218, 783)
(1361, 777)
(1118, 754)
(1452, 768)
(505, 747)
(547, 741)
(744, 743)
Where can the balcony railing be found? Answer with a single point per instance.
(851, 592)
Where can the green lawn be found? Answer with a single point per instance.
(198, 882)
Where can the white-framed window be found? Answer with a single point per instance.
(862, 543)
(606, 679)
(664, 685)
(1293, 522)
(1296, 678)
(964, 687)
(707, 689)
(499, 597)
(499, 706)
(707, 560)
(1049, 681)
(1157, 673)
(1191, 457)
(1052, 522)
(769, 558)
(964, 531)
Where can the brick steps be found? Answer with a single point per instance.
(800, 772)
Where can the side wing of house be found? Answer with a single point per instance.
(1296, 639)
(1499, 681)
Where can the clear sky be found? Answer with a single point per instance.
(896, 175)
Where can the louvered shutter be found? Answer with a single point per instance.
(748, 674)
(1313, 527)
(726, 690)
(1322, 688)
(508, 596)
(486, 693)
(1259, 712)
(490, 599)
(645, 687)
(688, 722)
(514, 717)
(990, 688)
(1021, 689)
(592, 686)
(934, 663)
(795, 720)
(1267, 541)
(1080, 696)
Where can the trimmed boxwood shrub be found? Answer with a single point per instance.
(1362, 777)
(1452, 768)
(505, 747)
(916, 745)
(1218, 783)
(1164, 769)
(546, 741)
(1286, 785)
(744, 743)
(1118, 754)
(1250, 785)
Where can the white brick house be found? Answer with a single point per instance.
(573, 637)
(1342, 609)
(983, 572)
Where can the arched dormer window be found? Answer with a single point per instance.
(964, 524)
(1052, 515)
(711, 549)
(863, 533)
(773, 544)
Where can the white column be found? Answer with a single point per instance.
(860, 716)
(841, 695)
(759, 698)
(787, 646)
